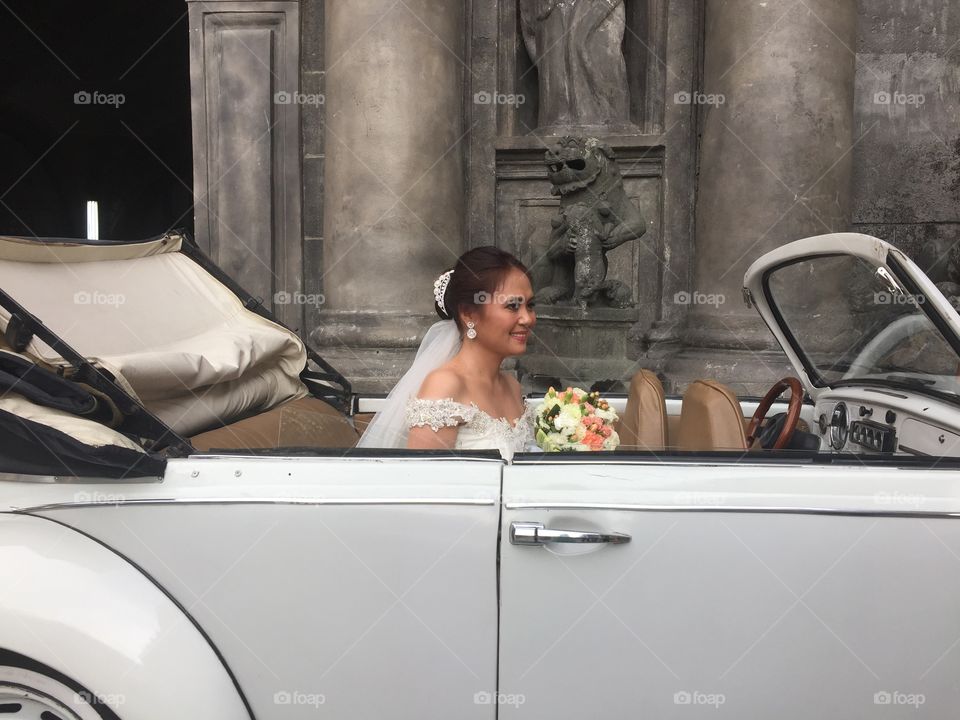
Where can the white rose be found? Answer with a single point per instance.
(569, 416)
(606, 415)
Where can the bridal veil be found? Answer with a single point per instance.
(389, 428)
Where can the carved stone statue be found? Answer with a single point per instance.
(595, 216)
(576, 47)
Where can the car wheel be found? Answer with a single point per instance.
(32, 691)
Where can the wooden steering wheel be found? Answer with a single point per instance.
(793, 411)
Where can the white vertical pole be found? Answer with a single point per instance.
(93, 221)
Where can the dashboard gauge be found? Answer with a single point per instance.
(838, 426)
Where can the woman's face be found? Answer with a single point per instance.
(504, 319)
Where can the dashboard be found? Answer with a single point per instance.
(876, 421)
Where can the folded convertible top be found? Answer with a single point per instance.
(162, 325)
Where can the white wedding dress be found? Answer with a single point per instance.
(403, 409)
(477, 429)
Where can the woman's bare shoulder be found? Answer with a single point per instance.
(444, 382)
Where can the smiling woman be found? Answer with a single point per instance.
(455, 396)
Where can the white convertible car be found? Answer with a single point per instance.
(187, 532)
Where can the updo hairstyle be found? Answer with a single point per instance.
(477, 276)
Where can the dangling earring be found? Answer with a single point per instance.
(471, 332)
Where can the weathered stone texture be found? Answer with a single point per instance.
(907, 162)
(803, 83)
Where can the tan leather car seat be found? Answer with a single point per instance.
(644, 422)
(306, 422)
(710, 418)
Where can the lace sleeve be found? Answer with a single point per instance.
(436, 413)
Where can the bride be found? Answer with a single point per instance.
(455, 396)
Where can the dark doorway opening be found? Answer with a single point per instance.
(95, 105)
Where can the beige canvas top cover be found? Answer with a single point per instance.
(184, 343)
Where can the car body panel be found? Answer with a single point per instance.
(244, 478)
(752, 591)
(76, 606)
(354, 587)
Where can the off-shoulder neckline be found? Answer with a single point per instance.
(472, 405)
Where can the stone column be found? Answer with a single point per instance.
(243, 65)
(775, 166)
(394, 181)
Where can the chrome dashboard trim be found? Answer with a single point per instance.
(885, 392)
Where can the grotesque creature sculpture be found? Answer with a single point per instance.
(595, 216)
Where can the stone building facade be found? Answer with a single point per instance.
(347, 152)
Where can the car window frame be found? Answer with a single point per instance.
(911, 287)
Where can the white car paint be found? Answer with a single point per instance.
(746, 591)
(348, 587)
(76, 606)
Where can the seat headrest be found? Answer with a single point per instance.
(643, 425)
(711, 418)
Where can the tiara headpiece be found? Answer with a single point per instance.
(440, 288)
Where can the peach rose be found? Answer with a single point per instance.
(593, 441)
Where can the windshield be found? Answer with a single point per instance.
(853, 321)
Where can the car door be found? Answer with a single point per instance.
(348, 585)
(747, 589)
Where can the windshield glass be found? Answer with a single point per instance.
(852, 320)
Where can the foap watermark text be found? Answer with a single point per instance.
(897, 298)
(296, 697)
(699, 98)
(698, 298)
(497, 98)
(882, 97)
(95, 97)
(96, 297)
(696, 697)
(110, 700)
(895, 697)
(298, 98)
(298, 298)
(498, 698)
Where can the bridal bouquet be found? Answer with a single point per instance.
(575, 420)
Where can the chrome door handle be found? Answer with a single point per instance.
(533, 533)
